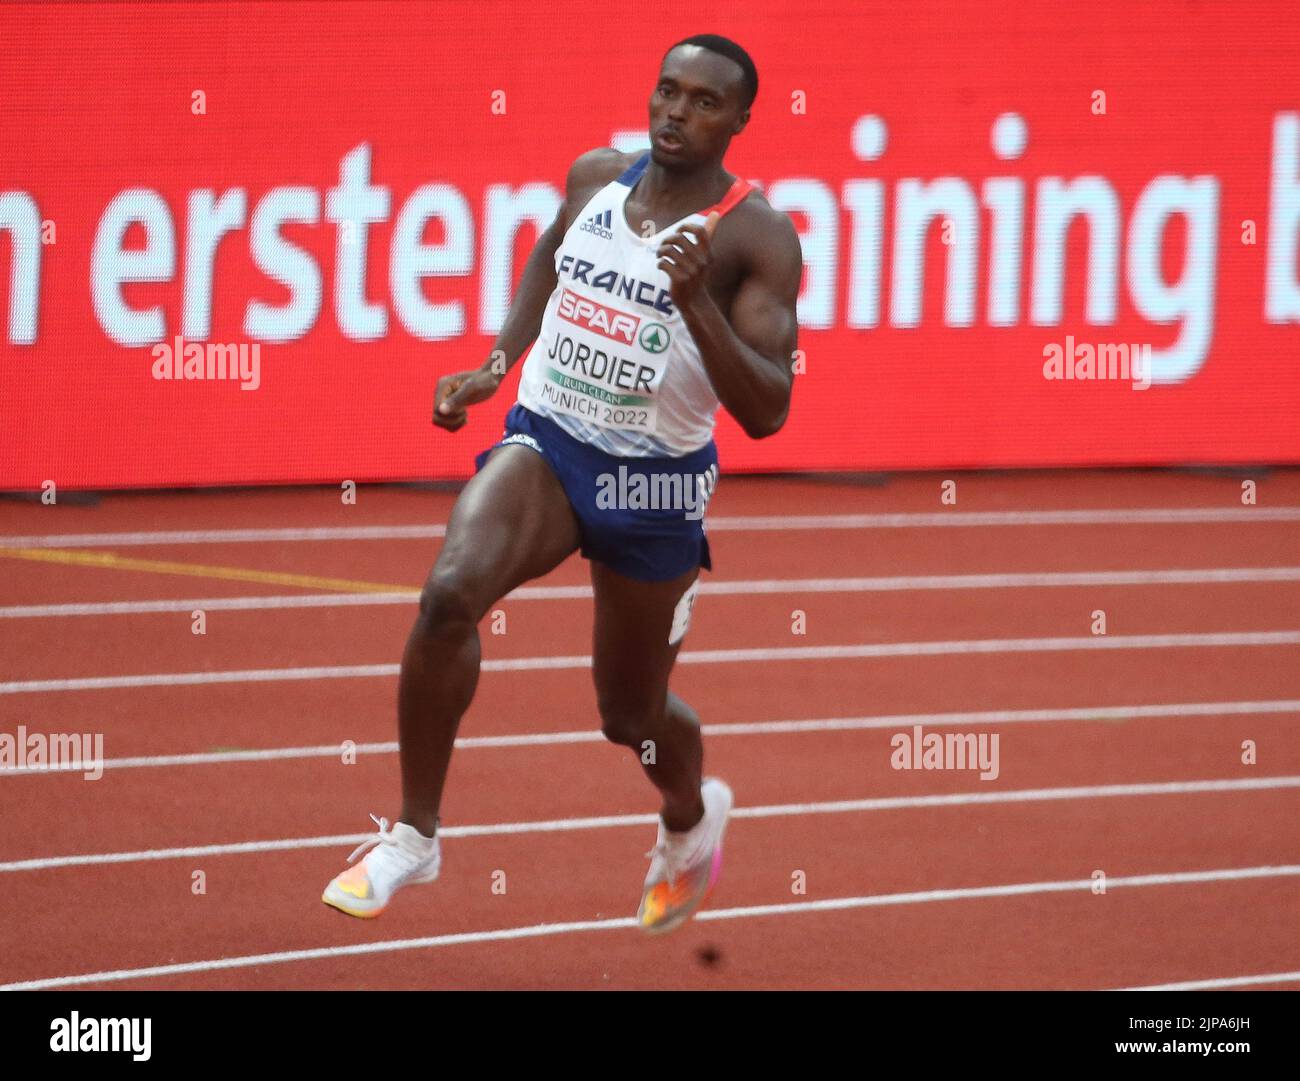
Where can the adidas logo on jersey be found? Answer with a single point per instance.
(599, 224)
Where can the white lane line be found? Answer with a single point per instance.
(720, 523)
(704, 656)
(1027, 580)
(979, 519)
(895, 583)
(1209, 985)
(784, 810)
(546, 930)
(183, 679)
(735, 728)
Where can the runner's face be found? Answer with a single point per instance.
(697, 99)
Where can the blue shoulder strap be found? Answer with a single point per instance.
(633, 172)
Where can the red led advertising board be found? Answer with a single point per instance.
(1033, 234)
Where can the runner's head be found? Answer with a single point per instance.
(706, 85)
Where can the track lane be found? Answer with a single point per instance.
(1159, 936)
(73, 648)
(912, 945)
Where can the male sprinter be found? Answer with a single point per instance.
(664, 287)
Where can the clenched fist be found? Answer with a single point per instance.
(455, 393)
(684, 257)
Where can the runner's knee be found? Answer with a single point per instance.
(446, 606)
(623, 724)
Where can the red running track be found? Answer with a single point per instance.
(841, 871)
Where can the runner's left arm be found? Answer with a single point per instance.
(748, 353)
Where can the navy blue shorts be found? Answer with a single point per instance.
(641, 517)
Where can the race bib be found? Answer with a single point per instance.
(682, 614)
(605, 366)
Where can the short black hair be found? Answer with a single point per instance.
(716, 43)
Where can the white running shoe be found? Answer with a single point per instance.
(398, 857)
(685, 866)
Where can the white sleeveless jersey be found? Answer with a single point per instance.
(614, 364)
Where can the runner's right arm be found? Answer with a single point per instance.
(460, 390)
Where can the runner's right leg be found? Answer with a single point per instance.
(511, 523)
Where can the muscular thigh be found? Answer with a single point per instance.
(511, 523)
(631, 654)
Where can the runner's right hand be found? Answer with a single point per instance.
(456, 392)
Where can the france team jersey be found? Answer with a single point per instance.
(614, 364)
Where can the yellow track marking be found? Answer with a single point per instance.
(113, 561)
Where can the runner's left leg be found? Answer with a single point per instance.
(631, 663)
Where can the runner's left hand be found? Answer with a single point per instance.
(684, 257)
